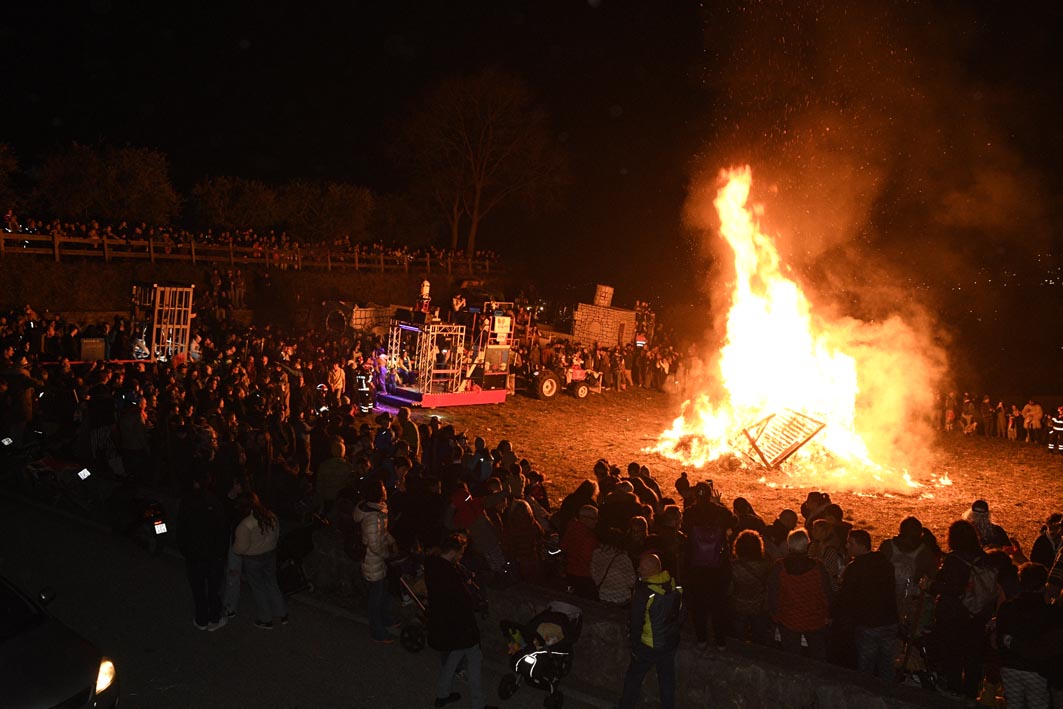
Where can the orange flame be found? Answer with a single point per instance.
(778, 356)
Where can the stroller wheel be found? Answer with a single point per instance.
(554, 701)
(413, 638)
(507, 687)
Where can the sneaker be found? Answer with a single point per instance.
(198, 626)
(384, 641)
(267, 625)
(218, 624)
(284, 620)
(449, 699)
(230, 614)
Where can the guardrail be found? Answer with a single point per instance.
(314, 258)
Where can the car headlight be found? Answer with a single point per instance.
(105, 677)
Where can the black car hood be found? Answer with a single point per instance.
(47, 665)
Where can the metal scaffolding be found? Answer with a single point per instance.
(171, 327)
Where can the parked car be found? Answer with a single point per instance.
(46, 665)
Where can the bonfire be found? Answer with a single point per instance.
(799, 397)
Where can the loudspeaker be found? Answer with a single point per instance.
(92, 349)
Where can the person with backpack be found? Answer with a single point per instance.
(915, 555)
(656, 618)
(966, 597)
(707, 569)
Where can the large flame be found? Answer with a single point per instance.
(778, 356)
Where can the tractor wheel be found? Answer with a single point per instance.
(336, 322)
(580, 390)
(547, 385)
(507, 687)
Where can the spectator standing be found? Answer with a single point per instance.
(866, 599)
(656, 617)
(452, 627)
(578, 544)
(612, 570)
(372, 516)
(203, 537)
(799, 595)
(707, 572)
(960, 618)
(749, 572)
(522, 541)
(1026, 640)
(256, 542)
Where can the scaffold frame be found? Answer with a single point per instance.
(171, 323)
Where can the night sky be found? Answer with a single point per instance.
(908, 153)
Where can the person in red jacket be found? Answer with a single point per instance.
(578, 544)
(799, 596)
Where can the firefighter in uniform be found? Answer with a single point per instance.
(1055, 432)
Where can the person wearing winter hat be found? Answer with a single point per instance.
(989, 534)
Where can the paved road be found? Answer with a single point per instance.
(139, 610)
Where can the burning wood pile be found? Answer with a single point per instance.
(833, 403)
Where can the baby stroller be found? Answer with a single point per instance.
(540, 651)
(292, 548)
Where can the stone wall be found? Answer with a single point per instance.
(740, 677)
(606, 326)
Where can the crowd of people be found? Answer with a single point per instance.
(258, 431)
(1028, 423)
(285, 250)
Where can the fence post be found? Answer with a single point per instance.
(356, 268)
(428, 262)
(193, 242)
(487, 265)
(328, 259)
(151, 249)
(450, 264)
(381, 261)
(106, 251)
(232, 259)
(55, 245)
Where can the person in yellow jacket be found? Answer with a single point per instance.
(656, 615)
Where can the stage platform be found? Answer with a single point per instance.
(411, 397)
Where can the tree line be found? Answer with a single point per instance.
(471, 145)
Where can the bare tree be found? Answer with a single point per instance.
(478, 142)
(234, 203)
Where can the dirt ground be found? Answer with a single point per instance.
(563, 438)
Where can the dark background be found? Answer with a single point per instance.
(908, 154)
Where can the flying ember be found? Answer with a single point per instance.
(831, 403)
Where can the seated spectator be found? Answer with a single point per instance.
(749, 573)
(612, 570)
(638, 531)
(989, 534)
(1048, 543)
(585, 494)
(799, 597)
(620, 506)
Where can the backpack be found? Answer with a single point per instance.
(903, 568)
(981, 592)
(707, 546)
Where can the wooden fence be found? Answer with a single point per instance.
(312, 258)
